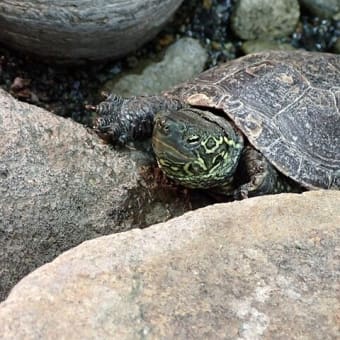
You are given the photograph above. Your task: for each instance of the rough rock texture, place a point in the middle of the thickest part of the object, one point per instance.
(337, 46)
(60, 185)
(262, 268)
(182, 61)
(265, 19)
(322, 8)
(82, 29)
(255, 46)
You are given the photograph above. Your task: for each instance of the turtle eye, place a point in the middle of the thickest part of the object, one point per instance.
(192, 139)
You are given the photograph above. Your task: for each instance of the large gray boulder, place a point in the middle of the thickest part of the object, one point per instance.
(82, 29)
(60, 185)
(262, 268)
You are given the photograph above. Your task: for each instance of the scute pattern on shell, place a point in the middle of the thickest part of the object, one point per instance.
(286, 103)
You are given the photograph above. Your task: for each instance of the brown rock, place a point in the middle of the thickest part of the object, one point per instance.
(262, 268)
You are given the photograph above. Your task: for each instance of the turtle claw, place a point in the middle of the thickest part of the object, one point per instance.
(241, 193)
(90, 107)
(105, 94)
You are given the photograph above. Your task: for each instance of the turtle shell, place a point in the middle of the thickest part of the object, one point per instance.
(287, 105)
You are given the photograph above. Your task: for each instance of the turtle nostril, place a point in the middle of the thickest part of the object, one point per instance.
(166, 128)
(163, 125)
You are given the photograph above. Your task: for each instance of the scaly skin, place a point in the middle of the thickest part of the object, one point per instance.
(127, 119)
(196, 148)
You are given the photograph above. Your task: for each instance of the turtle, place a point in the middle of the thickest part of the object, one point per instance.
(264, 123)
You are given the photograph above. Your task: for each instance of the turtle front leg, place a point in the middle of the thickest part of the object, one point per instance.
(261, 177)
(126, 119)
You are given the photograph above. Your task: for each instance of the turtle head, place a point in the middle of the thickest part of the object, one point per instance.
(196, 148)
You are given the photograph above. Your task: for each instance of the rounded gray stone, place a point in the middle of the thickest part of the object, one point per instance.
(264, 19)
(182, 61)
(82, 29)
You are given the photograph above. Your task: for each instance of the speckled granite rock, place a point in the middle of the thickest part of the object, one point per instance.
(262, 268)
(265, 19)
(60, 185)
(182, 61)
